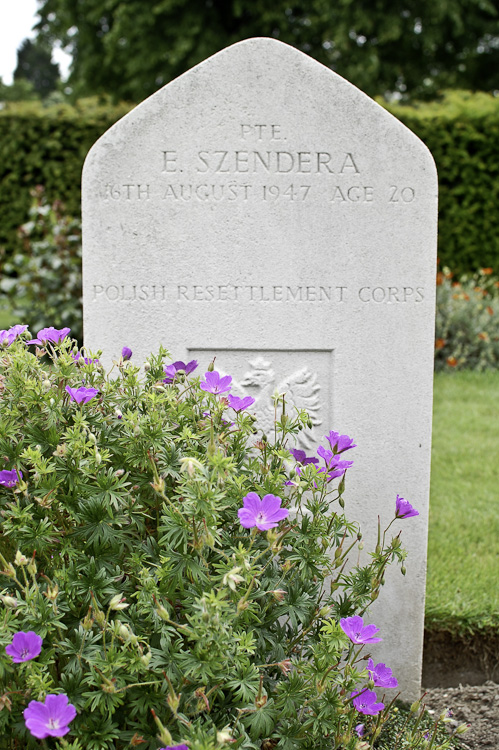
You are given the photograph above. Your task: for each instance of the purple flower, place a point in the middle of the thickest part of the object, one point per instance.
(49, 719)
(354, 628)
(264, 514)
(239, 404)
(24, 646)
(403, 508)
(86, 360)
(334, 466)
(359, 730)
(7, 337)
(54, 335)
(172, 370)
(10, 478)
(300, 456)
(339, 443)
(213, 383)
(82, 395)
(126, 353)
(365, 702)
(381, 675)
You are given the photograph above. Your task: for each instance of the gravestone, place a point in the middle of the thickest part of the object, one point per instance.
(263, 210)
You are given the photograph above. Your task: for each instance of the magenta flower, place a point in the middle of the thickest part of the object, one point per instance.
(359, 634)
(240, 404)
(82, 395)
(172, 370)
(381, 675)
(10, 478)
(126, 353)
(79, 358)
(359, 730)
(339, 443)
(403, 508)
(54, 335)
(49, 719)
(24, 646)
(365, 703)
(213, 383)
(301, 457)
(334, 466)
(7, 337)
(264, 514)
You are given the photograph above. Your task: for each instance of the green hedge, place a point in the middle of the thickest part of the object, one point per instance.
(462, 132)
(45, 146)
(48, 146)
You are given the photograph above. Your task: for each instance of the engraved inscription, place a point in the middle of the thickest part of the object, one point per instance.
(264, 293)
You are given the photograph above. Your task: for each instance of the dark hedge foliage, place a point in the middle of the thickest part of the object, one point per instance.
(48, 146)
(45, 146)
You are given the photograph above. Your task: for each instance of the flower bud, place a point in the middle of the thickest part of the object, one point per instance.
(278, 594)
(173, 701)
(52, 592)
(46, 385)
(92, 438)
(9, 571)
(119, 472)
(146, 658)
(211, 366)
(164, 734)
(341, 502)
(20, 559)
(8, 601)
(124, 632)
(88, 620)
(415, 706)
(52, 402)
(117, 603)
(403, 570)
(162, 612)
(147, 366)
(462, 728)
(224, 735)
(361, 546)
(118, 413)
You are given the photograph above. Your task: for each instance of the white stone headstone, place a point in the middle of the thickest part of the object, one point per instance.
(263, 210)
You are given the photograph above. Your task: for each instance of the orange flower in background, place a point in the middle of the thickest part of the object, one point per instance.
(456, 284)
(496, 283)
(440, 278)
(439, 344)
(484, 336)
(486, 271)
(456, 296)
(449, 275)
(466, 297)
(451, 361)
(489, 310)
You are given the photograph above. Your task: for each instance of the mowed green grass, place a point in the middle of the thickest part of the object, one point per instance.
(463, 555)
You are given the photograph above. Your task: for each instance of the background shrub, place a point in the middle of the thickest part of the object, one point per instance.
(467, 321)
(43, 278)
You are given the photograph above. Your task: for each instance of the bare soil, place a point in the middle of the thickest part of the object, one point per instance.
(462, 674)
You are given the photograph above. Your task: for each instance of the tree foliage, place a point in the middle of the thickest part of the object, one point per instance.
(409, 46)
(34, 64)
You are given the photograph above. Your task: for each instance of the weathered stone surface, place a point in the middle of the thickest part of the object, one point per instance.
(262, 209)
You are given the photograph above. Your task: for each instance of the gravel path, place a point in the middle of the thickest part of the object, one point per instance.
(477, 705)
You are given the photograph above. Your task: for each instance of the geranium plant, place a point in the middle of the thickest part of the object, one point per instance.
(163, 566)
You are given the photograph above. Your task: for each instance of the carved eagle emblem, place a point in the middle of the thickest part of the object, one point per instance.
(302, 392)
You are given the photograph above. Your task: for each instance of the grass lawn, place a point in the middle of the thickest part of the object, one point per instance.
(463, 554)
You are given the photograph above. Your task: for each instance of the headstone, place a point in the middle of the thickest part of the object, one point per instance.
(263, 210)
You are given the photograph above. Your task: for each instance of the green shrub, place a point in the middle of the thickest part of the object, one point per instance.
(45, 146)
(462, 132)
(163, 619)
(43, 279)
(467, 321)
